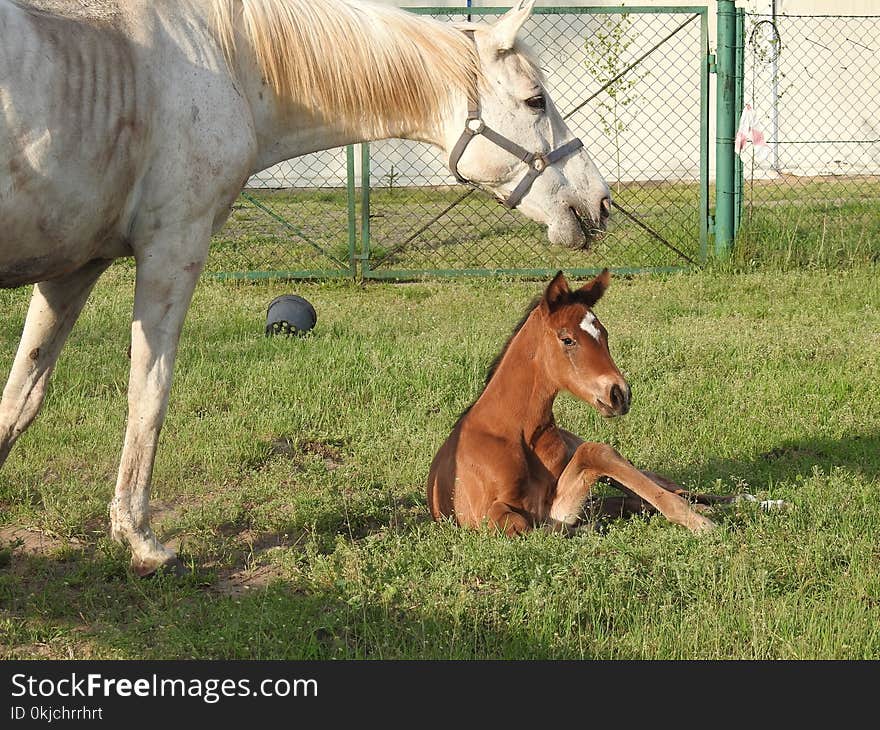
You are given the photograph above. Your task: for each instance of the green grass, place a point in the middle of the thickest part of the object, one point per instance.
(297, 467)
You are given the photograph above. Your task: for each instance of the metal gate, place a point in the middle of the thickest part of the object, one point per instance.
(631, 82)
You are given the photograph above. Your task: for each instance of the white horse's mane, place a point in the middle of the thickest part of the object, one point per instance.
(363, 62)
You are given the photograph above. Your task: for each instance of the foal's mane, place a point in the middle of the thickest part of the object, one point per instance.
(493, 367)
(363, 63)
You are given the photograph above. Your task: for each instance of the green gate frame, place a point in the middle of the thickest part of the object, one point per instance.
(343, 271)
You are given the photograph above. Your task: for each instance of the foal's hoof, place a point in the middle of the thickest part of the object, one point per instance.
(774, 505)
(174, 566)
(700, 524)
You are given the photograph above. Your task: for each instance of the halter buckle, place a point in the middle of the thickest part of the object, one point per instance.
(475, 125)
(539, 164)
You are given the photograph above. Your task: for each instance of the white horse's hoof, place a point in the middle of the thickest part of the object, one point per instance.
(173, 566)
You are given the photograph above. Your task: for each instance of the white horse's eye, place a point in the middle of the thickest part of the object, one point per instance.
(537, 102)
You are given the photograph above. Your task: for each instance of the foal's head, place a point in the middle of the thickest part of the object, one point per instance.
(574, 349)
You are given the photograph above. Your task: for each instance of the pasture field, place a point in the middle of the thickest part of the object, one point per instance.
(291, 475)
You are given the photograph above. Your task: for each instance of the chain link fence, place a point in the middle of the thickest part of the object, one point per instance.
(632, 83)
(293, 220)
(814, 83)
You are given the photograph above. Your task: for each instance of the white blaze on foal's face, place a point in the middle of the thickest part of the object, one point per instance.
(588, 325)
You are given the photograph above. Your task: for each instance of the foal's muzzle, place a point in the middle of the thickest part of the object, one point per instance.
(616, 400)
(620, 398)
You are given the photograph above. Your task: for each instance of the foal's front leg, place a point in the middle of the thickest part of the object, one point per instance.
(166, 276)
(593, 460)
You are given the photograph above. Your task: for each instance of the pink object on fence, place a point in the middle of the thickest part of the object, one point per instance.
(748, 132)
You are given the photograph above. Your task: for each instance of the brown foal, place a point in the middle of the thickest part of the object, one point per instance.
(508, 463)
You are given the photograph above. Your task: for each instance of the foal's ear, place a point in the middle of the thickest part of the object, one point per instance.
(507, 26)
(592, 291)
(556, 292)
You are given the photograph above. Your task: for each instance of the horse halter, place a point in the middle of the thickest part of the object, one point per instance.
(536, 161)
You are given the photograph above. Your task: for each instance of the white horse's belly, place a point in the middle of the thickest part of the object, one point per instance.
(71, 150)
(60, 206)
(35, 247)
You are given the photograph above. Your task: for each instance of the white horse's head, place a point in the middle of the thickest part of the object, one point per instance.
(350, 71)
(561, 188)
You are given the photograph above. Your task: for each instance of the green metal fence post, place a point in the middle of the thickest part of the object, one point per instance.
(352, 209)
(365, 208)
(725, 128)
(704, 137)
(740, 91)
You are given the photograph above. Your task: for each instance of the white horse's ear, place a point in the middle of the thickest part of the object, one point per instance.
(507, 26)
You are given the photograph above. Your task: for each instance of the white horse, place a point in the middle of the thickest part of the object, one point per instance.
(128, 128)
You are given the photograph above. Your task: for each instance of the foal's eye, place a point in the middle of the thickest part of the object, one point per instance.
(538, 102)
(567, 341)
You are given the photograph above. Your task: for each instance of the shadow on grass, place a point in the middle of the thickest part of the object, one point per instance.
(790, 459)
(87, 605)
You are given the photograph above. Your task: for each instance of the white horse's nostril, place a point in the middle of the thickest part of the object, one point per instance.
(606, 207)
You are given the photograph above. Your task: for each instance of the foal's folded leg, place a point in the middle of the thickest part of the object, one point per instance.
(572, 493)
(508, 521)
(594, 460)
(574, 509)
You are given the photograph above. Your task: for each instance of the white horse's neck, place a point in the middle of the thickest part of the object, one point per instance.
(283, 132)
(326, 73)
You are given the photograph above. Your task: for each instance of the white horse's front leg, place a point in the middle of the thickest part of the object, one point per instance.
(54, 308)
(167, 272)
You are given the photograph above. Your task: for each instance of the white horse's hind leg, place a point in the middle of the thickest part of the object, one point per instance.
(54, 308)
(166, 277)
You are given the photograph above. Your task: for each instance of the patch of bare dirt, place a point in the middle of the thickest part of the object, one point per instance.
(39, 650)
(329, 451)
(242, 581)
(789, 452)
(76, 645)
(236, 581)
(162, 511)
(26, 541)
(260, 542)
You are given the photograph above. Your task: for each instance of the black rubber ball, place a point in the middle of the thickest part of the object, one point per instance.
(290, 314)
